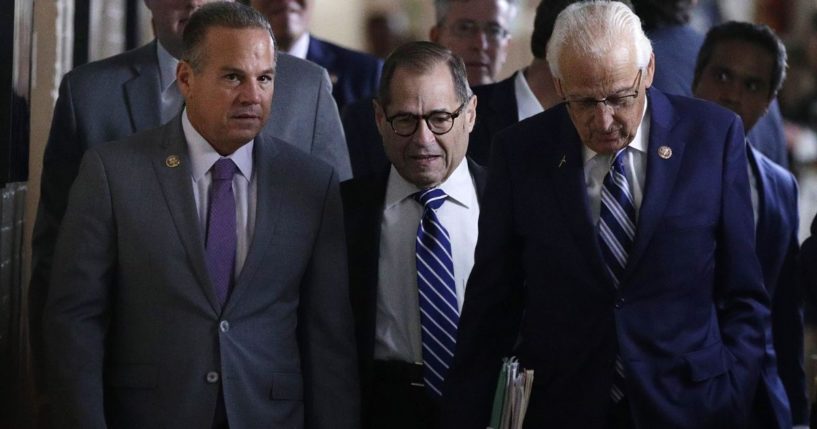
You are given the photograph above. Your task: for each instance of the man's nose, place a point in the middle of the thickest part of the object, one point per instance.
(423, 135)
(250, 92)
(603, 116)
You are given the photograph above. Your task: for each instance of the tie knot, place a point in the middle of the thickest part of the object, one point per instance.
(431, 198)
(618, 161)
(223, 169)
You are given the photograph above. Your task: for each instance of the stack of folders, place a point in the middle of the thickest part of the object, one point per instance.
(513, 389)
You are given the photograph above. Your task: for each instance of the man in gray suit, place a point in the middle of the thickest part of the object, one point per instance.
(199, 277)
(111, 99)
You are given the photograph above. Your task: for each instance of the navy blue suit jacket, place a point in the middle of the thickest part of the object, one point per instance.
(688, 318)
(777, 251)
(496, 110)
(354, 75)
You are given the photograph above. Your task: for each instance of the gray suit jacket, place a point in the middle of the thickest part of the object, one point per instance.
(132, 307)
(114, 98)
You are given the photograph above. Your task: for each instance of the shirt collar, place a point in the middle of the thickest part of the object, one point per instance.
(300, 47)
(203, 156)
(167, 66)
(526, 101)
(456, 187)
(640, 141)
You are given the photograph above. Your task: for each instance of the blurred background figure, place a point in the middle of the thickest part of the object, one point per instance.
(477, 31)
(354, 74)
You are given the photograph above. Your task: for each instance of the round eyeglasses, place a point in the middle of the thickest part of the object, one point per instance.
(439, 122)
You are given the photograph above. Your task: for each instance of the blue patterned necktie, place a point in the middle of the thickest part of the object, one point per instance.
(439, 314)
(616, 231)
(221, 231)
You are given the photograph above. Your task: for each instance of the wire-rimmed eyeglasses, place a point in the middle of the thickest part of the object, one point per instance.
(439, 122)
(615, 102)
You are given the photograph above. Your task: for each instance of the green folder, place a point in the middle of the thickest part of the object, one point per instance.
(499, 396)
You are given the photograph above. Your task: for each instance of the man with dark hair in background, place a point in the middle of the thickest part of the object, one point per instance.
(742, 66)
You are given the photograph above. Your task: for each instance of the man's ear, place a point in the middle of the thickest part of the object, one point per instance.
(379, 114)
(471, 112)
(434, 34)
(184, 71)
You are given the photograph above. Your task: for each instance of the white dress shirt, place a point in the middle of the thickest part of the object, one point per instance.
(596, 166)
(245, 192)
(300, 47)
(397, 332)
(171, 97)
(527, 104)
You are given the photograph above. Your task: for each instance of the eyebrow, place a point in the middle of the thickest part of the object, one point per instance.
(228, 69)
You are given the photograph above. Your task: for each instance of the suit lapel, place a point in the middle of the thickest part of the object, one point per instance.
(271, 176)
(567, 169)
(765, 203)
(175, 178)
(143, 92)
(661, 174)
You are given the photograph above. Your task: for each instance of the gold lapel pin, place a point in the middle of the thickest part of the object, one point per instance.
(563, 161)
(665, 152)
(173, 161)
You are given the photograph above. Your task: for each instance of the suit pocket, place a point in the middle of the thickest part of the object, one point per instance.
(708, 362)
(287, 386)
(132, 376)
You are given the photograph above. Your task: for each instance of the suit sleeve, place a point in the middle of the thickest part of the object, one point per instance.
(326, 334)
(76, 312)
(329, 142)
(63, 153)
(489, 322)
(742, 299)
(787, 318)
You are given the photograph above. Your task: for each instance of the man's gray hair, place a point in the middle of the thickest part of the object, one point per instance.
(441, 8)
(218, 14)
(594, 28)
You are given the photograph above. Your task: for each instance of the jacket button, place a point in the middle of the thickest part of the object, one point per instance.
(224, 326)
(212, 377)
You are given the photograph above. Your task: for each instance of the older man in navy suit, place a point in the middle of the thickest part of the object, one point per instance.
(616, 252)
(741, 66)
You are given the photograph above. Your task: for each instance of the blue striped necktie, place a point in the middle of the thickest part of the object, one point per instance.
(616, 231)
(439, 314)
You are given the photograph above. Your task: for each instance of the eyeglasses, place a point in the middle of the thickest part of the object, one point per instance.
(615, 102)
(468, 29)
(405, 124)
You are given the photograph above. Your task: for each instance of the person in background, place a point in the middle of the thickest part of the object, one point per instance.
(354, 74)
(742, 66)
(616, 252)
(676, 45)
(411, 232)
(199, 277)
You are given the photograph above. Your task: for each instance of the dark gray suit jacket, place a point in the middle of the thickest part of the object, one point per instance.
(135, 337)
(114, 98)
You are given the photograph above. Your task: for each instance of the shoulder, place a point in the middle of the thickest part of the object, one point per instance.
(296, 162)
(98, 74)
(345, 55)
(691, 111)
(782, 179)
(295, 70)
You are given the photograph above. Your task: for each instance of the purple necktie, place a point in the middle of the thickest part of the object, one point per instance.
(221, 233)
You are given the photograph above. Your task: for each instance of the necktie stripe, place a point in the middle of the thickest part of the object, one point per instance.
(439, 314)
(435, 312)
(442, 259)
(622, 217)
(441, 274)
